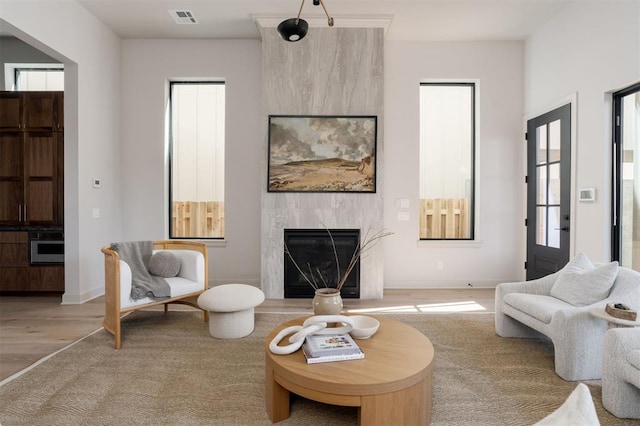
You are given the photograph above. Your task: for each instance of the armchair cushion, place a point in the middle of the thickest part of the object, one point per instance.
(164, 264)
(190, 277)
(582, 286)
(539, 306)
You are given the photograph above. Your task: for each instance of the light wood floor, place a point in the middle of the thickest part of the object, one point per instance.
(34, 327)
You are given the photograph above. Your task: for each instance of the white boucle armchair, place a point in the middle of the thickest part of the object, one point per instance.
(577, 335)
(191, 281)
(621, 372)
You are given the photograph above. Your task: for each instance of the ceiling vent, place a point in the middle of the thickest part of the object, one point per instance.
(183, 16)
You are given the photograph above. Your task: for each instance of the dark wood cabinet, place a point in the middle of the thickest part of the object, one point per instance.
(31, 159)
(11, 177)
(46, 278)
(40, 111)
(11, 110)
(17, 275)
(14, 251)
(31, 186)
(14, 261)
(32, 111)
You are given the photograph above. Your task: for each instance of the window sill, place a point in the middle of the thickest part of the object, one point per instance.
(208, 243)
(215, 243)
(450, 244)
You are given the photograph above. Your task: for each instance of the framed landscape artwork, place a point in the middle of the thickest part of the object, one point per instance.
(322, 153)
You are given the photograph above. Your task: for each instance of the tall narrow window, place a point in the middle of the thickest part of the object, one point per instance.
(197, 142)
(447, 146)
(626, 179)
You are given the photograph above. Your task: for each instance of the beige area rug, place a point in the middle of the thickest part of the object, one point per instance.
(171, 372)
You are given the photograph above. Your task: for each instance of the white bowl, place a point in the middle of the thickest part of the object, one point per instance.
(364, 326)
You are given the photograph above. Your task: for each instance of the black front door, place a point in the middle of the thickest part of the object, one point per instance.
(548, 192)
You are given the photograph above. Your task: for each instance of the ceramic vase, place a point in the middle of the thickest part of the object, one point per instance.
(327, 301)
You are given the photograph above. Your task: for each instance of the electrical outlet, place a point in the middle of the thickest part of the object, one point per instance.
(440, 265)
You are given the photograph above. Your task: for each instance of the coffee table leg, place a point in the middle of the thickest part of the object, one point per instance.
(276, 397)
(410, 406)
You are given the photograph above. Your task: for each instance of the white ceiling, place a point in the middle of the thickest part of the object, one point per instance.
(420, 20)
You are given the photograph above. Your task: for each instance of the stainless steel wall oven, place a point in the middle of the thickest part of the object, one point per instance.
(46, 247)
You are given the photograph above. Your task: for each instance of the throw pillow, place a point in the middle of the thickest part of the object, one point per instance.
(164, 264)
(578, 263)
(582, 287)
(577, 410)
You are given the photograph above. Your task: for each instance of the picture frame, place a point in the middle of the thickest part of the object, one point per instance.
(322, 153)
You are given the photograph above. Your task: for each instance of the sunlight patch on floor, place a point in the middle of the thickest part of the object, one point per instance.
(457, 307)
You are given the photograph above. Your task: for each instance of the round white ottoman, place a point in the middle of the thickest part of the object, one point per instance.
(230, 309)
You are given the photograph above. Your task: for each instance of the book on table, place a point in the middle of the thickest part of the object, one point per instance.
(331, 347)
(329, 358)
(331, 344)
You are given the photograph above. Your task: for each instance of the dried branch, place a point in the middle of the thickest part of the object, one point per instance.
(335, 255)
(286, 250)
(369, 243)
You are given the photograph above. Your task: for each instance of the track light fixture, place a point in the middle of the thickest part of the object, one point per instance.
(295, 29)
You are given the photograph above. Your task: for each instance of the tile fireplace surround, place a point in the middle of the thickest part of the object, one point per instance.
(357, 76)
(371, 270)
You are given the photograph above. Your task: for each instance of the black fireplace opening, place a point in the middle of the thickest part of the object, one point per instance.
(313, 251)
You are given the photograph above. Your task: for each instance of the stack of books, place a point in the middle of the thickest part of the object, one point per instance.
(331, 347)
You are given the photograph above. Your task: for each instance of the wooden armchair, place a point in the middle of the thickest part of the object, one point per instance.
(190, 282)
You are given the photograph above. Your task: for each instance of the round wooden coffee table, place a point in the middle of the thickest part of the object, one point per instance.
(391, 385)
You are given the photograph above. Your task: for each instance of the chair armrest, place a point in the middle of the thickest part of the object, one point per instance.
(191, 265)
(540, 286)
(506, 326)
(626, 289)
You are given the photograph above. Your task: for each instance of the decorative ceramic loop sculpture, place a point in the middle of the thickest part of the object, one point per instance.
(306, 330)
(344, 329)
(288, 349)
(313, 325)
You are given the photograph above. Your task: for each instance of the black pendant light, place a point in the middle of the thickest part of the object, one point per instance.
(294, 29)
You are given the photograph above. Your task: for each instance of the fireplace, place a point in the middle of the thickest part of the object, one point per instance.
(312, 249)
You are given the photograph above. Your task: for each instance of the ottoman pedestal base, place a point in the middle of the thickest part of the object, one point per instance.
(231, 325)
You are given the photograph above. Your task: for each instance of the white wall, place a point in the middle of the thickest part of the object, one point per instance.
(147, 66)
(90, 52)
(588, 49)
(498, 255)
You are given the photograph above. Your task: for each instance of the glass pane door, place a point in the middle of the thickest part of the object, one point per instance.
(548, 183)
